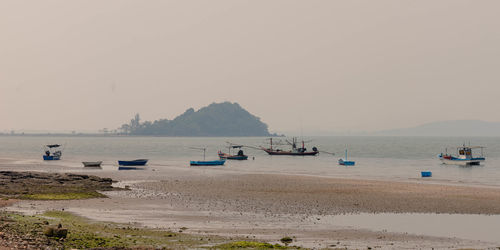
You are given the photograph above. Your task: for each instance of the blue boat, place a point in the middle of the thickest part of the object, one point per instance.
(207, 163)
(52, 152)
(346, 162)
(138, 162)
(464, 157)
(426, 173)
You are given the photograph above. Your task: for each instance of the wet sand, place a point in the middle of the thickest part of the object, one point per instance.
(270, 206)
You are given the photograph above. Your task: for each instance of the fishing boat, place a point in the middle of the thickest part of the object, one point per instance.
(345, 162)
(206, 163)
(52, 152)
(92, 164)
(134, 164)
(296, 151)
(464, 157)
(239, 156)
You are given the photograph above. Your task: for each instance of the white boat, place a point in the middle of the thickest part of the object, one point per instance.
(464, 157)
(52, 152)
(92, 164)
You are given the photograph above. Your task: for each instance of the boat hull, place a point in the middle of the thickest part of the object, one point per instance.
(425, 174)
(138, 162)
(346, 163)
(273, 152)
(207, 163)
(463, 162)
(51, 158)
(233, 157)
(92, 164)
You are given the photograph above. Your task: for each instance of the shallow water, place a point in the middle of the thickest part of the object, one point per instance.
(464, 226)
(385, 158)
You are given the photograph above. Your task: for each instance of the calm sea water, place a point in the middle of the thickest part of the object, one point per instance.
(387, 158)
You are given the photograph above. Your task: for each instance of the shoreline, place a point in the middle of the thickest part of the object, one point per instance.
(270, 206)
(110, 170)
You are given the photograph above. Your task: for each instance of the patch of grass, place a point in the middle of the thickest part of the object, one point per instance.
(63, 196)
(83, 233)
(249, 245)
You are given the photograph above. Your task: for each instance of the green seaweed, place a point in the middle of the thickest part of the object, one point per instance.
(83, 233)
(63, 196)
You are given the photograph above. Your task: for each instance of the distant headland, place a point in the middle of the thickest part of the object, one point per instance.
(216, 119)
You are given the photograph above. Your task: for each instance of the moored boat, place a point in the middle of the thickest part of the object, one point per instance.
(465, 156)
(204, 162)
(207, 163)
(138, 162)
(345, 162)
(296, 151)
(131, 165)
(52, 152)
(92, 164)
(239, 156)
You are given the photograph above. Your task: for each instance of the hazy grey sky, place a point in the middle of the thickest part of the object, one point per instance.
(320, 65)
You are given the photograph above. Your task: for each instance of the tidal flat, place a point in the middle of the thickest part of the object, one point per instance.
(233, 209)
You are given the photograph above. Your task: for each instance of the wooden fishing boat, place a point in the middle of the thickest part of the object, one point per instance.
(204, 162)
(92, 164)
(345, 162)
(132, 165)
(52, 152)
(239, 156)
(207, 163)
(464, 157)
(138, 162)
(296, 151)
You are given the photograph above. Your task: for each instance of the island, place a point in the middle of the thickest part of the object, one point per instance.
(216, 119)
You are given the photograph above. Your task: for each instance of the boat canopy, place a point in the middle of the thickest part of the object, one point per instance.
(53, 145)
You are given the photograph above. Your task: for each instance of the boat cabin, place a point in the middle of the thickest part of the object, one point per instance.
(52, 152)
(466, 152)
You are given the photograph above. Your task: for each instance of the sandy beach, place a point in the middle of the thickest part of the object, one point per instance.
(270, 206)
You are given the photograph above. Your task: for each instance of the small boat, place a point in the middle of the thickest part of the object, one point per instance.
(240, 156)
(138, 162)
(464, 157)
(206, 163)
(52, 152)
(134, 164)
(426, 174)
(92, 164)
(296, 151)
(345, 162)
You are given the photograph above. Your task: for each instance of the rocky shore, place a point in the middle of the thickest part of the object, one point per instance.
(17, 233)
(51, 186)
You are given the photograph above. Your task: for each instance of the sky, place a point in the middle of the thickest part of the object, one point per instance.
(315, 66)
